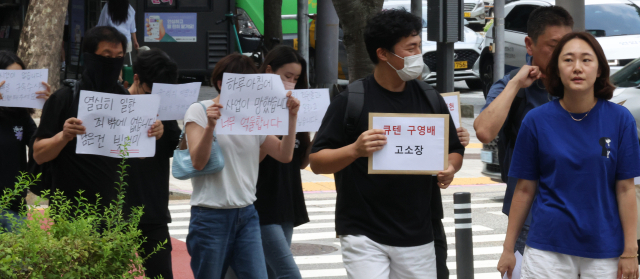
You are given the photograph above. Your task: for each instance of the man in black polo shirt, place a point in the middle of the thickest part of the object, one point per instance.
(384, 221)
(56, 136)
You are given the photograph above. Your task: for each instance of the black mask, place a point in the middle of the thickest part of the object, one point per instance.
(102, 72)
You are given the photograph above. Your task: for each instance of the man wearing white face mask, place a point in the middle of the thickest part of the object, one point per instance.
(384, 221)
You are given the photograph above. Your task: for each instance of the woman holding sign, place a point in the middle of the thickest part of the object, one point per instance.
(280, 202)
(578, 156)
(16, 129)
(224, 229)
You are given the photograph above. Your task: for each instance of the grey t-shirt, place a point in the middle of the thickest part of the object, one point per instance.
(235, 185)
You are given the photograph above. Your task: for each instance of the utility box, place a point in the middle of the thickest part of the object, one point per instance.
(445, 21)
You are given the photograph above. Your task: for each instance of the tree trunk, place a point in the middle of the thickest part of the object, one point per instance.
(272, 22)
(353, 16)
(41, 38)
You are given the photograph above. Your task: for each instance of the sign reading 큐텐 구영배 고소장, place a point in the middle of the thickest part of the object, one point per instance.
(110, 118)
(416, 143)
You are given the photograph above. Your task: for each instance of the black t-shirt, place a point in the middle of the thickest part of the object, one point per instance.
(70, 171)
(392, 210)
(149, 179)
(279, 189)
(16, 129)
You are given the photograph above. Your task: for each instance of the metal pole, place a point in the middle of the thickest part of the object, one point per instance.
(416, 9)
(576, 9)
(445, 67)
(464, 237)
(303, 31)
(327, 33)
(498, 43)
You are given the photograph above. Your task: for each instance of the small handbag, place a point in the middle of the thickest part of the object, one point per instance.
(182, 167)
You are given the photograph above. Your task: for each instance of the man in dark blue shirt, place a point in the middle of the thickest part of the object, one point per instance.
(545, 27)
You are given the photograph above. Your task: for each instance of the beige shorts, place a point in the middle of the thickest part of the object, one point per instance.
(539, 264)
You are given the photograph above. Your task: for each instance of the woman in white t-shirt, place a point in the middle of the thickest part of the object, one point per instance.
(120, 15)
(224, 229)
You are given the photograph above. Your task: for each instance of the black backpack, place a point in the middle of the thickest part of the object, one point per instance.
(509, 131)
(355, 103)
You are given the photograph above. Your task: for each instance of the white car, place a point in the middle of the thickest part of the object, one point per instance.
(466, 53)
(474, 11)
(615, 23)
(627, 92)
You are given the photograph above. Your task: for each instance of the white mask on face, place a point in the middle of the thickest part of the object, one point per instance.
(289, 85)
(412, 67)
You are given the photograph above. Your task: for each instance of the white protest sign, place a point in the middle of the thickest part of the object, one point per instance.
(453, 104)
(110, 118)
(254, 104)
(313, 106)
(416, 143)
(175, 99)
(517, 269)
(21, 86)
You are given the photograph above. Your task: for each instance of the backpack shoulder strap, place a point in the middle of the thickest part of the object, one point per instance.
(432, 96)
(355, 103)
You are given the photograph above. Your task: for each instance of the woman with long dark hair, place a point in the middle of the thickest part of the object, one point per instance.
(16, 129)
(578, 155)
(120, 15)
(280, 202)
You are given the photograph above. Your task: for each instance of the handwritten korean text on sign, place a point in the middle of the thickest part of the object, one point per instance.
(110, 118)
(175, 99)
(453, 105)
(313, 106)
(21, 86)
(416, 143)
(254, 104)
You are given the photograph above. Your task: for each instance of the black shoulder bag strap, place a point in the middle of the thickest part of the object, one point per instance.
(432, 96)
(355, 103)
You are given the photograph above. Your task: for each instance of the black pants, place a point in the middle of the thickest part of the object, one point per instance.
(160, 262)
(440, 243)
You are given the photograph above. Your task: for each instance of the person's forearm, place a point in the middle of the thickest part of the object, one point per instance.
(489, 122)
(202, 151)
(288, 143)
(520, 206)
(626, 195)
(332, 160)
(455, 159)
(45, 150)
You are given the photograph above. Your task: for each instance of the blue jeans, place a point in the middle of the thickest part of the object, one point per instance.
(219, 238)
(276, 241)
(6, 223)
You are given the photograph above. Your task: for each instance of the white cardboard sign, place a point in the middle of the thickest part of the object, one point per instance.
(21, 86)
(313, 106)
(254, 104)
(517, 269)
(175, 99)
(453, 104)
(416, 143)
(110, 118)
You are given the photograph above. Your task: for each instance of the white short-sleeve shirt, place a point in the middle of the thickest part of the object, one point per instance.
(235, 185)
(126, 28)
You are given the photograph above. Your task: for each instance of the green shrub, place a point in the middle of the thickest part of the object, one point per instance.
(65, 241)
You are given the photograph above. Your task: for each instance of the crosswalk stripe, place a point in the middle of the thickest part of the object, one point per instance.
(489, 275)
(447, 220)
(318, 259)
(180, 207)
(486, 205)
(321, 209)
(179, 224)
(313, 236)
(480, 251)
(472, 200)
(315, 273)
(475, 228)
(181, 215)
(319, 202)
(496, 213)
(481, 238)
(322, 217)
(179, 232)
(476, 264)
(315, 226)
